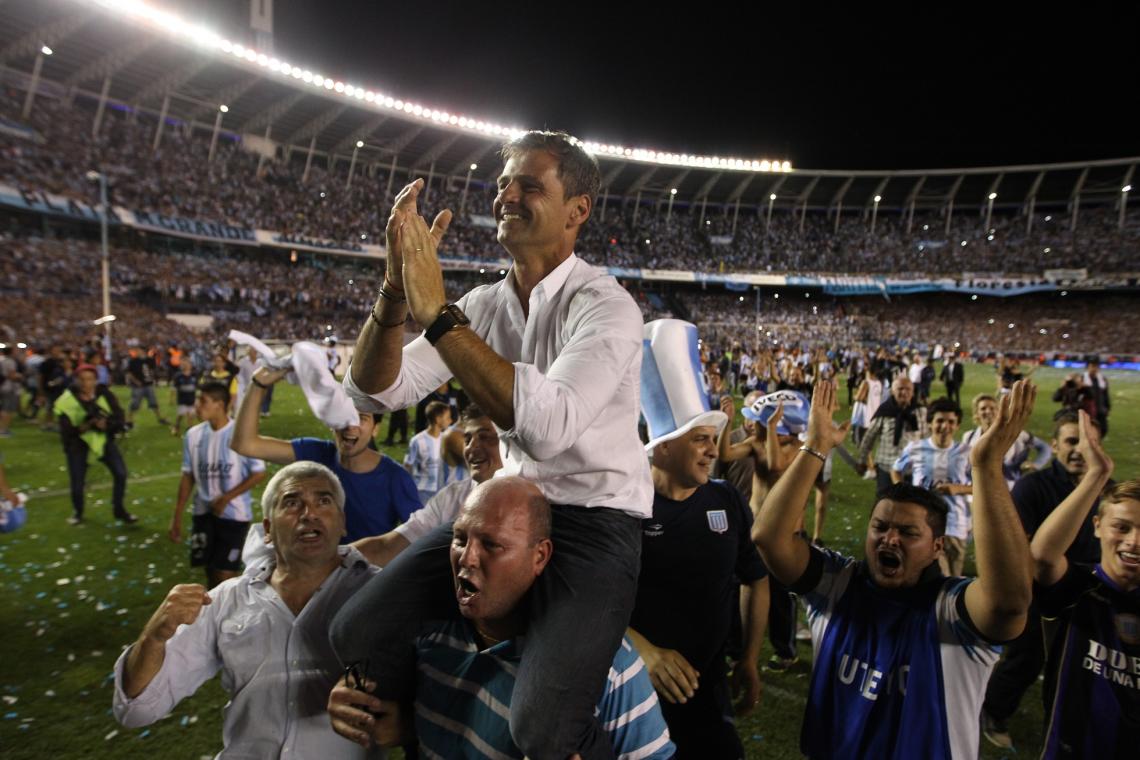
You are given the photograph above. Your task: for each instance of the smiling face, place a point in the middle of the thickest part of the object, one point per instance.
(943, 427)
(1118, 528)
(531, 208)
(900, 544)
(481, 448)
(688, 459)
(306, 523)
(1066, 452)
(497, 550)
(353, 440)
(985, 412)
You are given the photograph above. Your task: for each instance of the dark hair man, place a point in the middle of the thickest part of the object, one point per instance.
(529, 350)
(89, 418)
(379, 493)
(264, 630)
(902, 652)
(221, 481)
(941, 465)
(480, 454)
(466, 662)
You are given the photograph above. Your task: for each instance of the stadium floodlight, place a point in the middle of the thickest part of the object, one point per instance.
(360, 143)
(224, 108)
(1126, 188)
(21, 344)
(772, 197)
(474, 167)
(103, 320)
(672, 191)
(46, 50)
(878, 198)
(208, 40)
(992, 196)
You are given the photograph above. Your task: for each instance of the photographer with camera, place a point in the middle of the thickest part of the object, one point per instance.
(89, 418)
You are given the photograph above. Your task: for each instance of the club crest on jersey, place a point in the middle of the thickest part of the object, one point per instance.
(718, 520)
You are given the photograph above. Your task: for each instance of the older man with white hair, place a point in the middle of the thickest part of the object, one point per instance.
(265, 630)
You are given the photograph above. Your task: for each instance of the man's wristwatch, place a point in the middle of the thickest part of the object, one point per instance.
(450, 317)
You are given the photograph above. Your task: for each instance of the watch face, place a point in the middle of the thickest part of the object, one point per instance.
(457, 313)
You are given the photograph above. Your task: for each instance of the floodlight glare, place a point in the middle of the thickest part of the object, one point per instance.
(224, 108)
(474, 167)
(772, 197)
(878, 198)
(992, 196)
(1126, 188)
(360, 143)
(103, 320)
(672, 191)
(46, 50)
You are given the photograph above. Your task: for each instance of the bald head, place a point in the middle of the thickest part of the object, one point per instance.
(513, 494)
(903, 390)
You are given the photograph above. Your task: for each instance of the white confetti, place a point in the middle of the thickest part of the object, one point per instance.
(49, 693)
(111, 735)
(11, 700)
(63, 581)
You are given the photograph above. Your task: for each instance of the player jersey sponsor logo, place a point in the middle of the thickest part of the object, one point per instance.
(718, 520)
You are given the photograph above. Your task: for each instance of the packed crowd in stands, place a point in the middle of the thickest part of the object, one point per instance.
(240, 188)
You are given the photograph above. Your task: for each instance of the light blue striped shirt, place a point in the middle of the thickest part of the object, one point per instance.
(929, 465)
(216, 468)
(463, 698)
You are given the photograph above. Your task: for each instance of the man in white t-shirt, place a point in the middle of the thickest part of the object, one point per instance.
(480, 453)
(425, 457)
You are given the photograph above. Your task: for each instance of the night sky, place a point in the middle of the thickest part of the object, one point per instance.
(848, 89)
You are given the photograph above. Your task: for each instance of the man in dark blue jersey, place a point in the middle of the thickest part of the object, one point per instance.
(902, 653)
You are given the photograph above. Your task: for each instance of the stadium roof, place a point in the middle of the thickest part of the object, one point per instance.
(134, 56)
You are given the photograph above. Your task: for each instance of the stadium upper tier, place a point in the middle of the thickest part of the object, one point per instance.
(190, 177)
(170, 71)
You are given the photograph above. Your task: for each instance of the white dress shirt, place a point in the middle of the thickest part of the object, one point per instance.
(277, 668)
(442, 508)
(577, 358)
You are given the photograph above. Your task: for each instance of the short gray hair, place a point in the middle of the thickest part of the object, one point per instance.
(299, 471)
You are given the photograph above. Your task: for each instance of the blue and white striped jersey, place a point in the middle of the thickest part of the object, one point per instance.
(928, 465)
(1027, 448)
(463, 699)
(216, 468)
(897, 674)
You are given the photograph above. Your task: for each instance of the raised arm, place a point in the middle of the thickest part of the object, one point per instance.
(181, 607)
(247, 439)
(726, 450)
(1060, 529)
(377, 358)
(774, 531)
(999, 597)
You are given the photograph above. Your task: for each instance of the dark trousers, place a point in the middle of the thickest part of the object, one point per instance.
(781, 619)
(77, 473)
(1017, 670)
(579, 610)
(703, 728)
(397, 422)
(882, 480)
(953, 392)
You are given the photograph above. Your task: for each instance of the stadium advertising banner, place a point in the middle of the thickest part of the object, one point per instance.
(317, 245)
(55, 205)
(193, 228)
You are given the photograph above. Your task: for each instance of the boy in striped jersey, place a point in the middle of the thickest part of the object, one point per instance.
(221, 481)
(466, 661)
(939, 464)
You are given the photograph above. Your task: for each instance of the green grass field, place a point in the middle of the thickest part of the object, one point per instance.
(77, 595)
